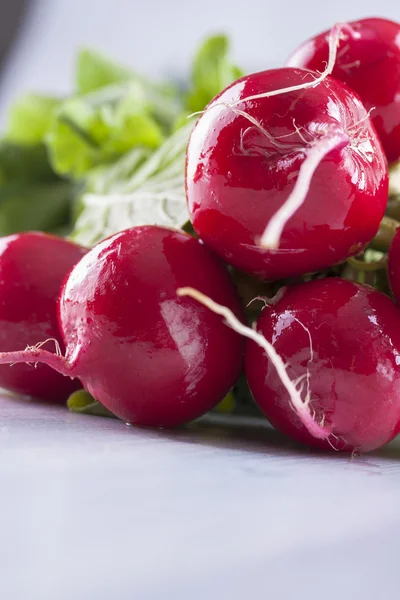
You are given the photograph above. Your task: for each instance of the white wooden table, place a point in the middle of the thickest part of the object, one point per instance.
(93, 509)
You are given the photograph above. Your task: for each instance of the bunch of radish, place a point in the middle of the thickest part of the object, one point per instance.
(286, 181)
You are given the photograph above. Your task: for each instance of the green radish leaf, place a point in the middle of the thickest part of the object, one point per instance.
(188, 228)
(152, 192)
(99, 127)
(212, 72)
(24, 163)
(29, 119)
(94, 71)
(31, 195)
(41, 206)
(82, 402)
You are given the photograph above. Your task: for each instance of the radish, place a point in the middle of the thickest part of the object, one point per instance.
(368, 61)
(322, 363)
(32, 269)
(150, 357)
(342, 340)
(307, 163)
(394, 266)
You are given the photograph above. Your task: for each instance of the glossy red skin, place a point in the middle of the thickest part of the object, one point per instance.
(149, 356)
(394, 266)
(354, 375)
(32, 268)
(232, 196)
(370, 66)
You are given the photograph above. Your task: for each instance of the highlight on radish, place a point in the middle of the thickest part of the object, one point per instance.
(285, 174)
(33, 266)
(368, 61)
(148, 356)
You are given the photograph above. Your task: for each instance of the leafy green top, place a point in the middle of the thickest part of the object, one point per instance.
(119, 141)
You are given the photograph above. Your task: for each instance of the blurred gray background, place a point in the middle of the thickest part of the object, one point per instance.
(157, 36)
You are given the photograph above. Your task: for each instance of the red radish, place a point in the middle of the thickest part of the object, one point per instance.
(342, 341)
(394, 266)
(148, 356)
(306, 162)
(299, 405)
(368, 61)
(32, 269)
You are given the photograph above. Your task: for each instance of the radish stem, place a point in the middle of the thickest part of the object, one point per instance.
(386, 232)
(300, 406)
(367, 267)
(393, 207)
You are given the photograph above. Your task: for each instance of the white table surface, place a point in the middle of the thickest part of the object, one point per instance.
(93, 509)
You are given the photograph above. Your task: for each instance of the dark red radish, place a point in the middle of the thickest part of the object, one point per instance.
(394, 265)
(306, 163)
(33, 266)
(341, 341)
(150, 357)
(368, 61)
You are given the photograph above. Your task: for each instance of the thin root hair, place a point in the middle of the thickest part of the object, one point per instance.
(365, 118)
(40, 344)
(260, 299)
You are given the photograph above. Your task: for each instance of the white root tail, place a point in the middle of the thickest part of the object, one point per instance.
(300, 406)
(315, 154)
